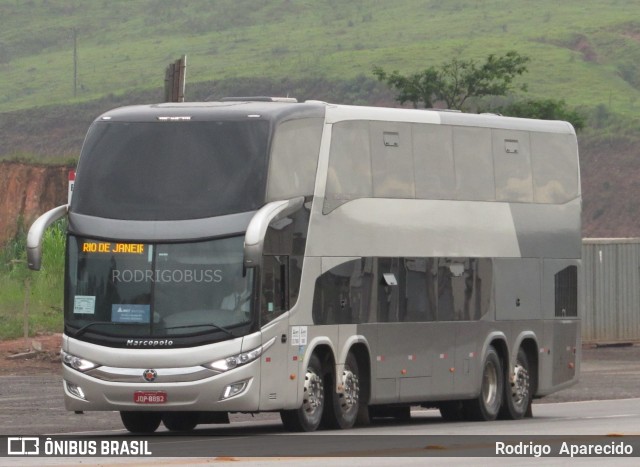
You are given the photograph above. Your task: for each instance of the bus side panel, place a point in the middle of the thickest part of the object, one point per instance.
(558, 358)
(275, 385)
(413, 362)
(517, 288)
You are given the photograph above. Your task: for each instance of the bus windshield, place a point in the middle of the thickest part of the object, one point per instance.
(172, 171)
(157, 290)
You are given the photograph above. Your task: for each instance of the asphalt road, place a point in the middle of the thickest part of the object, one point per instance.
(33, 405)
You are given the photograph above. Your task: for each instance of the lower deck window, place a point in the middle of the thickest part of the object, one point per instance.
(566, 291)
(387, 290)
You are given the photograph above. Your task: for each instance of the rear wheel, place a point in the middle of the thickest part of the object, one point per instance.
(347, 405)
(141, 422)
(517, 390)
(180, 421)
(309, 415)
(487, 405)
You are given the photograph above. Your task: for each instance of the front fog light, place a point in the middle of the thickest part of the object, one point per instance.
(75, 390)
(234, 389)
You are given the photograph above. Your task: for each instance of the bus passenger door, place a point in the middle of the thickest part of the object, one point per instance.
(275, 386)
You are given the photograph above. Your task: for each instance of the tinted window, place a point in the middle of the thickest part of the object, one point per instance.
(343, 294)
(512, 165)
(433, 161)
(464, 286)
(294, 159)
(392, 160)
(405, 290)
(389, 310)
(287, 238)
(349, 174)
(555, 167)
(274, 288)
(172, 170)
(566, 285)
(472, 154)
(420, 289)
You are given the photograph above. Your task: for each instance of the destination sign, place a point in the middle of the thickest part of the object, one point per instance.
(104, 247)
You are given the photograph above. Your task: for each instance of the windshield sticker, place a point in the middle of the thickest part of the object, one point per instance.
(84, 304)
(130, 313)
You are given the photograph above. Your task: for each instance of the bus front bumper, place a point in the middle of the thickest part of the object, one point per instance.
(235, 390)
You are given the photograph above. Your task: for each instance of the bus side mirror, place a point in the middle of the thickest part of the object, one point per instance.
(257, 229)
(36, 232)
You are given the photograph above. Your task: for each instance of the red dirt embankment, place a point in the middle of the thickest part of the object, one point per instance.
(28, 190)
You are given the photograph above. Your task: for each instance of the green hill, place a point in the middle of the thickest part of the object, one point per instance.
(584, 51)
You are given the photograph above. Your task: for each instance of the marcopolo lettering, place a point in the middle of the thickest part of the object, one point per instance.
(149, 343)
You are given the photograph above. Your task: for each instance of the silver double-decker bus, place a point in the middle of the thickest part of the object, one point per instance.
(331, 263)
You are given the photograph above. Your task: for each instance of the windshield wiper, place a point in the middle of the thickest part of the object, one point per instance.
(211, 325)
(84, 328)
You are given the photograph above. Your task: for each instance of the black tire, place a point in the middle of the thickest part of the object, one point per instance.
(452, 411)
(487, 405)
(309, 415)
(141, 422)
(180, 421)
(346, 406)
(517, 389)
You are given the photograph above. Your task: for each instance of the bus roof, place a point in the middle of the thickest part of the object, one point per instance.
(203, 111)
(279, 111)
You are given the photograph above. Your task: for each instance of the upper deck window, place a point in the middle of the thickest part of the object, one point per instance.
(172, 170)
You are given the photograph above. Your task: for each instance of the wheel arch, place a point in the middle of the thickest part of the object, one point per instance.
(498, 341)
(324, 349)
(529, 343)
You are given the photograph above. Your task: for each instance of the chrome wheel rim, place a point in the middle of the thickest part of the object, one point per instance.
(351, 390)
(520, 385)
(313, 401)
(490, 385)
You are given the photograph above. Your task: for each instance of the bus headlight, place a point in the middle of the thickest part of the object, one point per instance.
(77, 363)
(234, 361)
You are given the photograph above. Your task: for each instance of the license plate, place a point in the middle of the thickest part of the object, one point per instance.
(149, 397)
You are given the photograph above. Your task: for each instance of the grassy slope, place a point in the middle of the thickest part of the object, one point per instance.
(579, 48)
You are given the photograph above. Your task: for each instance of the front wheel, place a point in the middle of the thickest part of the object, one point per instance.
(141, 422)
(517, 390)
(309, 415)
(487, 406)
(180, 421)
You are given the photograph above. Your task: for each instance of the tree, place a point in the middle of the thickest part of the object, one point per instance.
(416, 88)
(545, 109)
(456, 81)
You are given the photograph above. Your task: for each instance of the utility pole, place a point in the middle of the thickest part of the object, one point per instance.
(75, 61)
